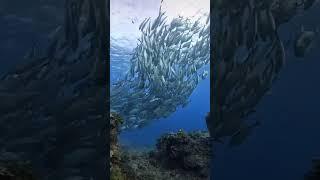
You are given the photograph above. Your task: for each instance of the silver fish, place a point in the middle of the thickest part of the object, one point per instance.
(163, 71)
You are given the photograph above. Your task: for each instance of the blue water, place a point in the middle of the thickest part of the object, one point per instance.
(124, 34)
(190, 118)
(283, 146)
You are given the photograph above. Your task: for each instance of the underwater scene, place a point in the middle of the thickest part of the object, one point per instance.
(284, 144)
(52, 89)
(264, 104)
(230, 94)
(159, 64)
(159, 89)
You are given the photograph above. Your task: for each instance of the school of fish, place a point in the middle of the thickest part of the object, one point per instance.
(166, 66)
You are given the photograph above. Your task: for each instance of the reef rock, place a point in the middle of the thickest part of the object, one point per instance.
(176, 156)
(115, 156)
(189, 152)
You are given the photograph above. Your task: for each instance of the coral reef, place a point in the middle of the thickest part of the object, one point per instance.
(116, 173)
(176, 156)
(188, 152)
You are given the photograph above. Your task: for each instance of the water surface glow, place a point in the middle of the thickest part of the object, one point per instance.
(126, 17)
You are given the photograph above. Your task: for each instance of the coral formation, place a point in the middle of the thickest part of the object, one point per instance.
(116, 172)
(189, 152)
(176, 156)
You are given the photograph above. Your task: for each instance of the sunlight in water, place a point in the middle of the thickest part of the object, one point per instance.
(127, 15)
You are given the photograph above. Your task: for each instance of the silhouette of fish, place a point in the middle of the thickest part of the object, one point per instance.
(244, 132)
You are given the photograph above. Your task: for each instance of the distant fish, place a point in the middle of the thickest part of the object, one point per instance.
(142, 25)
(166, 64)
(155, 99)
(135, 126)
(303, 42)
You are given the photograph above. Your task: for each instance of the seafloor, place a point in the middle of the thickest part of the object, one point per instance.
(176, 156)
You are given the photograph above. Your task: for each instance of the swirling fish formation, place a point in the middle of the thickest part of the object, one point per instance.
(169, 61)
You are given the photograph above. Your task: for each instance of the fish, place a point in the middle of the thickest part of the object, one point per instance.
(195, 25)
(204, 75)
(244, 132)
(163, 71)
(135, 110)
(142, 25)
(303, 42)
(154, 99)
(208, 19)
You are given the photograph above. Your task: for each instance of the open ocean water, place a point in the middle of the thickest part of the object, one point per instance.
(125, 20)
(282, 147)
